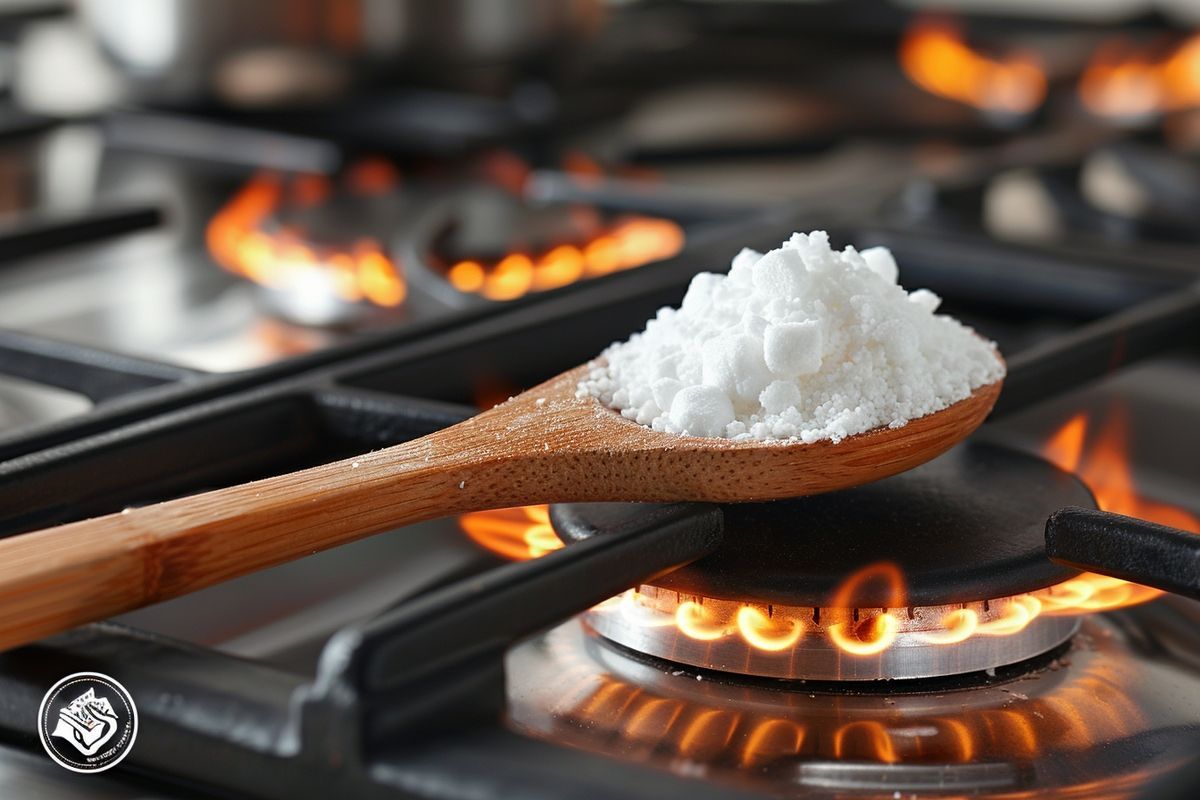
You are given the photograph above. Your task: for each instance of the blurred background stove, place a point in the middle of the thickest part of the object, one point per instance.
(237, 239)
(372, 166)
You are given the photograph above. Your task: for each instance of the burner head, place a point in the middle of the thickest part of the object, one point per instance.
(937, 571)
(967, 526)
(488, 224)
(482, 241)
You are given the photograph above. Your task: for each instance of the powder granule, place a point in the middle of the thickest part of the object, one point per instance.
(803, 343)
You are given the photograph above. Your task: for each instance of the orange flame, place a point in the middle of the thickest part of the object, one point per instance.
(1020, 612)
(957, 626)
(935, 57)
(1106, 469)
(868, 632)
(492, 390)
(765, 633)
(1065, 447)
(518, 534)
(871, 636)
(238, 239)
(582, 167)
(505, 169)
(693, 620)
(1122, 80)
(371, 176)
(875, 634)
(627, 243)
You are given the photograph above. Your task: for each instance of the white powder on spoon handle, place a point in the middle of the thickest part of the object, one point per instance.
(803, 343)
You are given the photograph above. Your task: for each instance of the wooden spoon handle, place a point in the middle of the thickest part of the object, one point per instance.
(58, 578)
(544, 446)
(528, 450)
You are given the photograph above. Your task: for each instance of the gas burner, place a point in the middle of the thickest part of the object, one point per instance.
(935, 56)
(288, 234)
(955, 579)
(1132, 82)
(486, 241)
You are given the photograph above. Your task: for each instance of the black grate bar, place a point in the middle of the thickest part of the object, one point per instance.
(220, 142)
(1099, 348)
(96, 374)
(192, 450)
(365, 418)
(552, 186)
(32, 235)
(436, 660)
(1127, 548)
(198, 708)
(236, 710)
(521, 599)
(1024, 277)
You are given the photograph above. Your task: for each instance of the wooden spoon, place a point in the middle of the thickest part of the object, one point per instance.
(543, 446)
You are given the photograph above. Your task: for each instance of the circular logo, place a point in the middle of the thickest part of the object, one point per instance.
(87, 722)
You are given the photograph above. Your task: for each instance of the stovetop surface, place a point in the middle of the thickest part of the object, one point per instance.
(1030, 228)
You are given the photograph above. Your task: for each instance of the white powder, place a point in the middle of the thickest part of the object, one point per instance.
(803, 343)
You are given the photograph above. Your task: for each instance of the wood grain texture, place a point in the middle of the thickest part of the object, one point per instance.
(544, 446)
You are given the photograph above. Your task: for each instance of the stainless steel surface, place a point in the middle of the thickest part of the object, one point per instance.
(285, 614)
(25, 403)
(922, 647)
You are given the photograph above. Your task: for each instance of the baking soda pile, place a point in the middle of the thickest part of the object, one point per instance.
(803, 343)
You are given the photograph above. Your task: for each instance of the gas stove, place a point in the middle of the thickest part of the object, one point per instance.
(195, 295)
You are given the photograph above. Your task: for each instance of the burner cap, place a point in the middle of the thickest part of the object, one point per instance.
(967, 526)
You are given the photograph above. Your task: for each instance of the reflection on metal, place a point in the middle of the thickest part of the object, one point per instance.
(1077, 728)
(915, 777)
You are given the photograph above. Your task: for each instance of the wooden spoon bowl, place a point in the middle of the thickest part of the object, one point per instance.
(543, 446)
(591, 453)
